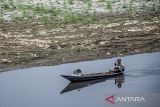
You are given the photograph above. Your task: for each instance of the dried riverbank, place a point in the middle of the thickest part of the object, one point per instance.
(26, 44)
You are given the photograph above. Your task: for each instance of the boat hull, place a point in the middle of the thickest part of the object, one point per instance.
(87, 77)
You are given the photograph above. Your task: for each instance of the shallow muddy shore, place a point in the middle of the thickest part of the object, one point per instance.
(27, 44)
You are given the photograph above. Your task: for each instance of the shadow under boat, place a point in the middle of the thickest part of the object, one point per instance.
(119, 80)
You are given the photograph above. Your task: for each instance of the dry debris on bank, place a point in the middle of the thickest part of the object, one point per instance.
(32, 43)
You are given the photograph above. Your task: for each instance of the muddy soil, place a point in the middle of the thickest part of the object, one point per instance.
(25, 44)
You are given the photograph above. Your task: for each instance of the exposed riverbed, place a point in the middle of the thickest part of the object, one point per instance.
(51, 32)
(27, 44)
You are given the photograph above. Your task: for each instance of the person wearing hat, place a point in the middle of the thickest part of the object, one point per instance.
(119, 66)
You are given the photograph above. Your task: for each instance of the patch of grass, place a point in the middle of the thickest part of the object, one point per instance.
(45, 20)
(5, 6)
(93, 17)
(17, 19)
(44, 10)
(50, 15)
(143, 7)
(70, 2)
(70, 17)
(22, 7)
(101, 0)
(114, 1)
(1, 19)
(109, 5)
(88, 3)
(129, 8)
(40, 9)
(155, 7)
(26, 14)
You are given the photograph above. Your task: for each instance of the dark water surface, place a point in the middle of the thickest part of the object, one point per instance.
(43, 87)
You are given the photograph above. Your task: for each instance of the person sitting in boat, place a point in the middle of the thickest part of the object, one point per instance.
(119, 66)
(77, 72)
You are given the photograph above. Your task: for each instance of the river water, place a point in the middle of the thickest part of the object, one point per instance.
(44, 87)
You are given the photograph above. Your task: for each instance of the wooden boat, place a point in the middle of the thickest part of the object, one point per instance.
(93, 76)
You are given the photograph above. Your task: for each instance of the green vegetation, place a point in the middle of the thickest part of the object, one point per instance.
(114, 1)
(88, 3)
(129, 8)
(70, 1)
(40, 9)
(46, 20)
(41, 12)
(70, 17)
(109, 5)
(155, 7)
(52, 15)
(5, 6)
(143, 7)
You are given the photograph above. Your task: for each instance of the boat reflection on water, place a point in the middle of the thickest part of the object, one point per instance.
(119, 80)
